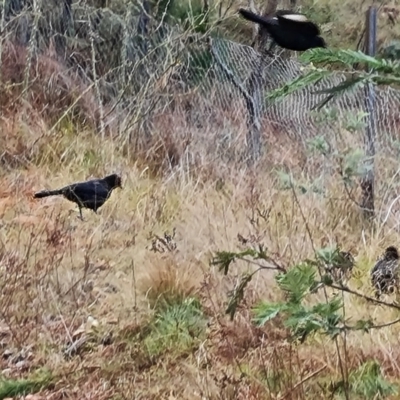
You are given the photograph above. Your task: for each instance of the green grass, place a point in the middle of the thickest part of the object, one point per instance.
(176, 327)
(17, 387)
(368, 382)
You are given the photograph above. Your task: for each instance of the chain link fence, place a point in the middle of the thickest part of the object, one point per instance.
(132, 75)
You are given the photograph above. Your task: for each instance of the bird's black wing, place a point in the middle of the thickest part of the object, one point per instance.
(297, 22)
(291, 22)
(378, 265)
(257, 18)
(91, 194)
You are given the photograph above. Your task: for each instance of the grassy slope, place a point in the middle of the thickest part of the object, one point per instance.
(57, 271)
(63, 279)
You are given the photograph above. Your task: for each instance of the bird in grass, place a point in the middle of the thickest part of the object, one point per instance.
(89, 194)
(290, 30)
(385, 273)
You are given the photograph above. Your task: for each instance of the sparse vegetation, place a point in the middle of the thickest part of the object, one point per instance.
(177, 328)
(202, 278)
(17, 387)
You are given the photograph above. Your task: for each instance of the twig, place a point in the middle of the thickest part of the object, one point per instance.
(368, 298)
(275, 267)
(341, 366)
(354, 328)
(75, 346)
(32, 46)
(307, 378)
(96, 78)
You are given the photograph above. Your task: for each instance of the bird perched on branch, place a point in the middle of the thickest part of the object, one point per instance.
(90, 194)
(385, 273)
(290, 30)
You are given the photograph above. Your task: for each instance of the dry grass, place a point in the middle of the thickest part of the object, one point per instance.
(149, 311)
(107, 277)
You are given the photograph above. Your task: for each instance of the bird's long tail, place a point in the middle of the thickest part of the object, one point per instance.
(45, 193)
(253, 17)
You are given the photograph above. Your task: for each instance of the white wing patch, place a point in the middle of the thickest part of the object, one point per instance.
(295, 17)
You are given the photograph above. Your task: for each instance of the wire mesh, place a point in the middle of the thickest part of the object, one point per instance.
(142, 69)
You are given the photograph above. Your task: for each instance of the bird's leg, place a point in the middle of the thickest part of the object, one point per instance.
(80, 213)
(271, 48)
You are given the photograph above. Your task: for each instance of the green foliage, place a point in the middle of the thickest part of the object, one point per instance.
(297, 282)
(355, 122)
(380, 72)
(392, 50)
(277, 380)
(162, 8)
(348, 58)
(301, 319)
(329, 255)
(324, 318)
(363, 325)
(353, 165)
(90, 158)
(191, 15)
(17, 387)
(396, 146)
(224, 259)
(304, 321)
(178, 327)
(347, 120)
(286, 182)
(236, 295)
(300, 312)
(344, 87)
(265, 312)
(319, 144)
(326, 115)
(312, 76)
(367, 382)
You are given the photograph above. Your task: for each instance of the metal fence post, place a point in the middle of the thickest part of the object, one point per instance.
(367, 183)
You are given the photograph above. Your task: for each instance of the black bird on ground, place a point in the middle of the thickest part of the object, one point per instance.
(385, 273)
(290, 30)
(90, 194)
